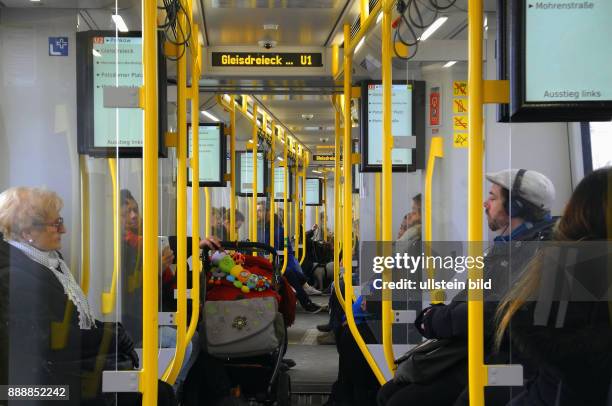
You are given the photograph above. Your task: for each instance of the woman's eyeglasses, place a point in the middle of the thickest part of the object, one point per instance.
(58, 224)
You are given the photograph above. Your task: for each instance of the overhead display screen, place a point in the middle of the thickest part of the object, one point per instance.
(568, 51)
(407, 120)
(107, 60)
(279, 184)
(556, 55)
(313, 192)
(212, 156)
(244, 172)
(268, 59)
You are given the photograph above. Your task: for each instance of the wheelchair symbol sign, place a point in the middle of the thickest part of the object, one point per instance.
(58, 46)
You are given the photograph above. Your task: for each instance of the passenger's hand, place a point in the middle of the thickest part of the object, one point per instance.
(211, 242)
(167, 257)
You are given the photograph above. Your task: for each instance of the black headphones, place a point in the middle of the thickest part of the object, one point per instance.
(517, 204)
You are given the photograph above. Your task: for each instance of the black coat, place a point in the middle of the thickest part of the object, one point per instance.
(40, 339)
(502, 264)
(571, 345)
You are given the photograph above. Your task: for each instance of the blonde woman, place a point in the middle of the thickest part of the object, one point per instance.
(49, 333)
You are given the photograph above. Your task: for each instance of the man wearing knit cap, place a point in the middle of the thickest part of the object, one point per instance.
(518, 210)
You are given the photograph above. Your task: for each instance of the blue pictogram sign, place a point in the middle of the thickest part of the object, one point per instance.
(58, 46)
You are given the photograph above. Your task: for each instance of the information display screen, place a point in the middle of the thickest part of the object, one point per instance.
(244, 173)
(119, 64)
(279, 184)
(313, 192)
(401, 122)
(212, 156)
(407, 120)
(568, 51)
(107, 60)
(556, 55)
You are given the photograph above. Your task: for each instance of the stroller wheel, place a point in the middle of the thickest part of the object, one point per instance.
(283, 390)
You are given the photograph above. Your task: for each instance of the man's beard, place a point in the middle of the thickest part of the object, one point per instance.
(494, 224)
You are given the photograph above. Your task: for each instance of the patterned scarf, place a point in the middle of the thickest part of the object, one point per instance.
(52, 260)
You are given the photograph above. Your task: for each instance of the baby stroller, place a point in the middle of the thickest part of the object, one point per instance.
(241, 323)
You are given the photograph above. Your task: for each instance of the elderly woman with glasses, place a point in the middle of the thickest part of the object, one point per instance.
(49, 333)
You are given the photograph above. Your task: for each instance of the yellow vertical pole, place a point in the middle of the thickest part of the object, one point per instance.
(364, 11)
(173, 368)
(196, 266)
(325, 206)
(305, 162)
(337, 211)
(272, 230)
(387, 186)
(377, 186)
(232, 113)
(348, 227)
(148, 377)
(85, 225)
(207, 211)
(335, 59)
(254, 142)
(285, 208)
(296, 206)
(477, 377)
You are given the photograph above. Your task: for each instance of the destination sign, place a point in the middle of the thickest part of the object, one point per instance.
(268, 59)
(324, 158)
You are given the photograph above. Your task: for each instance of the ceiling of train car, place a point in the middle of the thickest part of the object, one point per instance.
(288, 22)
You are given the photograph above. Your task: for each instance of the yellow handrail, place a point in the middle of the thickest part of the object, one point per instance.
(387, 185)
(272, 231)
(108, 298)
(148, 376)
(337, 211)
(303, 216)
(477, 371)
(436, 150)
(296, 206)
(377, 185)
(196, 265)
(232, 113)
(174, 366)
(285, 208)
(85, 225)
(253, 221)
(348, 227)
(324, 207)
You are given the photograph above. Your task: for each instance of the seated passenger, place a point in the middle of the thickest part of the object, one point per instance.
(522, 216)
(50, 334)
(131, 251)
(222, 231)
(571, 347)
(412, 225)
(293, 272)
(356, 383)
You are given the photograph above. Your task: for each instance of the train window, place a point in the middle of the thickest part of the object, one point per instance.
(601, 144)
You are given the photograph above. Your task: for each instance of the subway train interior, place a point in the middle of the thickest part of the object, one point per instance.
(426, 220)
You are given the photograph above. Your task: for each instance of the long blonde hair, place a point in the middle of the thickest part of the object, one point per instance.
(581, 220)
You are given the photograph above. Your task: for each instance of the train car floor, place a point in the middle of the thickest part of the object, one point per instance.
(316, 366)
